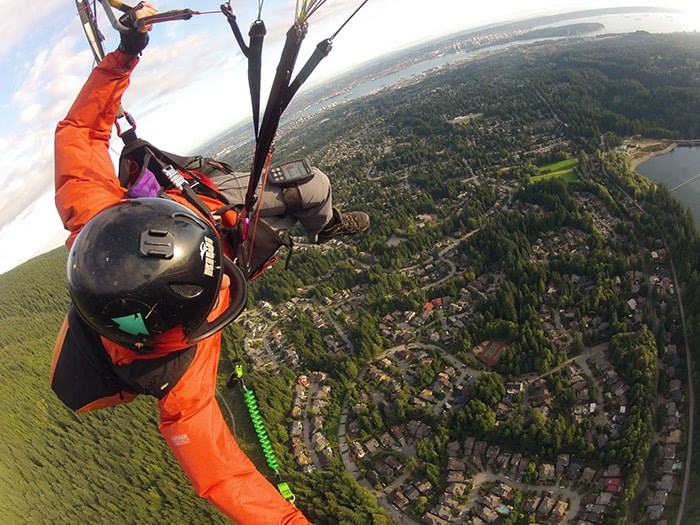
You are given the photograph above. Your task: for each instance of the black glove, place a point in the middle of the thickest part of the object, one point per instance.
(133, 42)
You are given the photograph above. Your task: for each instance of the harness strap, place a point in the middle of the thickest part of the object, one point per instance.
(283, 88)
(171, 172)
(253, 53)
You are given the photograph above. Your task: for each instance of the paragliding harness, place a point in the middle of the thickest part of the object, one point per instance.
(80, 358)
(147, 171)
(144, 169)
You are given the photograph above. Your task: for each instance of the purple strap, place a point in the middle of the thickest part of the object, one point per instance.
(145, 186)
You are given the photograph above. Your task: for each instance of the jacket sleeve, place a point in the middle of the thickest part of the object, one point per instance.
(85, 179)
(192, 424)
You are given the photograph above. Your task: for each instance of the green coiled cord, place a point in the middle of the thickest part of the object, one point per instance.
(259, 426)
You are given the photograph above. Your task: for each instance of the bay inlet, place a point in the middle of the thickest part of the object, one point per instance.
(679, 171)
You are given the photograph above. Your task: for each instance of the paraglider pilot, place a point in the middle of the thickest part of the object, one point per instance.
(152, 285)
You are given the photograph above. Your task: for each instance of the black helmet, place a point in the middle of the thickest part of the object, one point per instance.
(146, 274)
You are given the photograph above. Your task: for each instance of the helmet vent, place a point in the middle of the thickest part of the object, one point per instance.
(157, 243)
(190, 291)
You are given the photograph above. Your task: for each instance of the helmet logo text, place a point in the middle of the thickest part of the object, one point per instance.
(206, 252)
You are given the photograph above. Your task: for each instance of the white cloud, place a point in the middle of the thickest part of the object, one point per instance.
(35, 231)
(28, 161)
(183, 93)
(20, 20)
(42, 98)
(30, 112)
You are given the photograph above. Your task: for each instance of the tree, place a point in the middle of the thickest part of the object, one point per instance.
(531, 474)
(425, 450)
(489, 388)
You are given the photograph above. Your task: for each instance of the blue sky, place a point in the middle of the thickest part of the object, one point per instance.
(191, 83)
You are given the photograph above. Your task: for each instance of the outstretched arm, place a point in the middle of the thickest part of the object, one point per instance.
(85, 180)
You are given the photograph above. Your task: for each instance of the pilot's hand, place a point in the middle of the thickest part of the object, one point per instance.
(145, 9)
(135, 40)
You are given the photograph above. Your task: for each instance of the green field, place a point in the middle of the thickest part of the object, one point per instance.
(563, 169)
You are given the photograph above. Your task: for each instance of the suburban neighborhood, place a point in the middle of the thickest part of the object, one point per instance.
(482, 482)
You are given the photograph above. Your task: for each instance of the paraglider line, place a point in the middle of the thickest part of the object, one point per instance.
(348, 20)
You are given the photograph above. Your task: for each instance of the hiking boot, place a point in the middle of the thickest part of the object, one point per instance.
(344, 224)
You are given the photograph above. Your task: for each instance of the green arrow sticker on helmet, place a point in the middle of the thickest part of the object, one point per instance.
(132, 324)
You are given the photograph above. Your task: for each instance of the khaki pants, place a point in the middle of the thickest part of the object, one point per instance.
(316, 201)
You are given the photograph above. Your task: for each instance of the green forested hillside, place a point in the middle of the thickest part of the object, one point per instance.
(57, 467)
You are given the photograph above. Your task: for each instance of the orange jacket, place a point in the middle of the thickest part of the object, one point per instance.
(191, 420)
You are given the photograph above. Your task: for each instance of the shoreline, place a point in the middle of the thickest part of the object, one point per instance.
(691, 143)
(640, 160)
(688, 198)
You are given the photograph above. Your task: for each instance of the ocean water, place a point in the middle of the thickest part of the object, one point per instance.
(679, 171)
